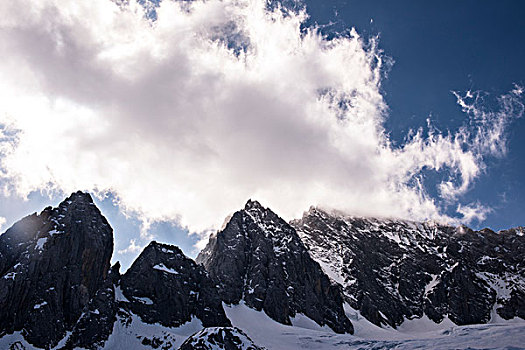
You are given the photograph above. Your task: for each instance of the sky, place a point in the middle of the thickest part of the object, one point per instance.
(174, 114)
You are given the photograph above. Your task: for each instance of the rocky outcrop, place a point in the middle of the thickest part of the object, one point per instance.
(57, 289)
(56, 284)
(395, 270)
(227, 338)
(260, 259)
(95, 325)
(165, 286)
(51, 265)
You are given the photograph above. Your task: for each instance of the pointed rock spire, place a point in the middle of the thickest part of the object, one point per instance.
(259, 258)
(164, 286)
(57, 261)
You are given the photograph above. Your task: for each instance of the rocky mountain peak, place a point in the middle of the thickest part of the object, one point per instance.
(253, 205)
(393, 270)
(163, 285)
(259, 258)
(258, 213)
(79, 197)
(52, 265)
(462, 229)
(165, 251)
(227, 338)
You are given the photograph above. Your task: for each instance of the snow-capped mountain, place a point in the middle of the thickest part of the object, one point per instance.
(57, 289)
(259, 259)
(392, 271)
(164, 286)
(258, 287)
(52, 265)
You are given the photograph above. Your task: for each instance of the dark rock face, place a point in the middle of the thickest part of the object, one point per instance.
(394, 270)
(165, 286)
(96, 322)
(259, 258)
(55, 278)
(227, 338)
(52, 265)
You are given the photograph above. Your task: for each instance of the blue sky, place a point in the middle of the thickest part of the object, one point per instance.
(444, 46)
(183, 145)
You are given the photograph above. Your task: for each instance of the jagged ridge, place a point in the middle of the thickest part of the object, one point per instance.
(163, 285)
(260, 259)
(396, 270)
(56, 287)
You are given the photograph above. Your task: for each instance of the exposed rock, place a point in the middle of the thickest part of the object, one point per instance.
(395, 270)
(227, 338)
(96, 322)
(52, 264)
(165, 286)
(57, 287)
(259, 258)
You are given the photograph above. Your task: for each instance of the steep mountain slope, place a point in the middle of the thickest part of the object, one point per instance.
(162, 299)
(52, 264)
(261, 288)
(165, 286)
(395, 270)
(57, 289)
(260, 259)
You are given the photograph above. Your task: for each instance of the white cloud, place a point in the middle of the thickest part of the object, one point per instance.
(473, 211)
(132, 248)
(2, 223)
(216, 102)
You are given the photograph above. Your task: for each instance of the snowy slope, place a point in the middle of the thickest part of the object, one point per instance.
(418, 281)
(395, 270)
(275, 336)
(422, 334)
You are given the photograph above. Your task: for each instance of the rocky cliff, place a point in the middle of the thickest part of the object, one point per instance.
(259, 259)
(57, 289)
(396, 270)
(227, 338)
(165, 286)
(52, 264)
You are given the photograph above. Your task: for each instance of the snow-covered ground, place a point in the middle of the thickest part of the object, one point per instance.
(413, 334)
(129, 333)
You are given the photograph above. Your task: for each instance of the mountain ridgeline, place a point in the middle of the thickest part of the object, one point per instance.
(58, 290)
(259, 258)
(392, 271)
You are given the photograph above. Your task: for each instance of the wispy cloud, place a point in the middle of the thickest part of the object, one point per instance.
(133, 248)
(215, 102)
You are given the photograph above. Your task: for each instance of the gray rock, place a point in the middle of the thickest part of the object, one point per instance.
(395, 270)
(227, 338)
(259, 258)
(52, 264)
(165, 286)
(95, 325)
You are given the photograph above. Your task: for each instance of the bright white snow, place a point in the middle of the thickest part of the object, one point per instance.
(162, 267)
(126, 336)
(305, 334)
(414, 334)
(144, 300)
(40, 243)
(38, 306)
(119, 296)
(10, 275)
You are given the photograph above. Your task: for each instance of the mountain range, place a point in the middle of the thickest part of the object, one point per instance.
(327, 280)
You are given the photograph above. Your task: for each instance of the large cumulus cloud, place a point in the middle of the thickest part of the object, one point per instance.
(215, 102)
